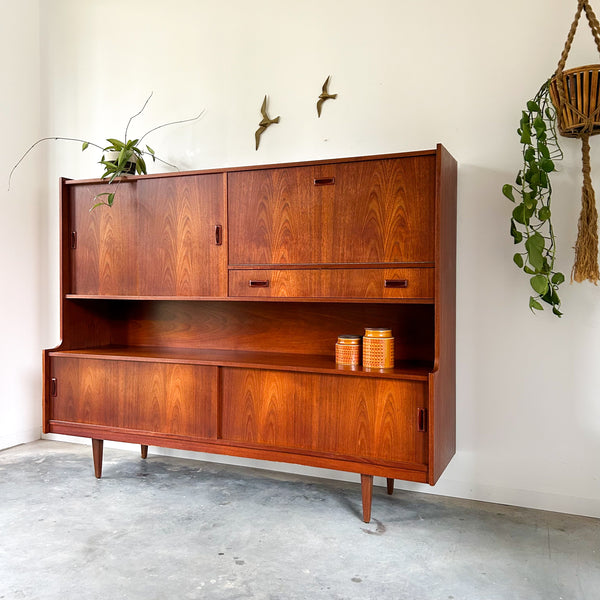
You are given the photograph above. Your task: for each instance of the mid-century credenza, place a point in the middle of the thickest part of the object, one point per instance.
(202, 309)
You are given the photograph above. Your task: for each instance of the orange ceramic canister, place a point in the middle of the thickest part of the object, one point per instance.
(378, 348)
(347, 350)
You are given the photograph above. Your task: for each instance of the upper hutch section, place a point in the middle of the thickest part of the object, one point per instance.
(345, 229)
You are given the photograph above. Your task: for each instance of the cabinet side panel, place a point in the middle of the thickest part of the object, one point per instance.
(443, 380)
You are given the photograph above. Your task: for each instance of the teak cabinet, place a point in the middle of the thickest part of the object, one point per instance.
(201, 312)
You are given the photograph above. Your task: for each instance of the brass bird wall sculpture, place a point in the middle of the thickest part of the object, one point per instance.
(325, 95)
(266, 122)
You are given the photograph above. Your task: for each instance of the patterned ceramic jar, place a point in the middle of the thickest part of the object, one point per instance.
(347, 350)
(378, 348)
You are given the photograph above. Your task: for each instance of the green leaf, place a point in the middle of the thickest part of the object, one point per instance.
(529, 155)
(539, 125)
(150, 150)
(544, 213)
(516, 234)
(110, 198)
(519, 214)
(534, 304)
(518, 260)
(533, 106)
(547, 165)
(141, 165)
(556, 311)
(534, 246)
(526, 134)
(543, 150)
(84, 146)
(115, 144)
(557, 278)
(528, 270)
(539, 283)
(507, 190)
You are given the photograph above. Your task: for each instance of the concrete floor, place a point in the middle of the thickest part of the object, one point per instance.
(170, 528)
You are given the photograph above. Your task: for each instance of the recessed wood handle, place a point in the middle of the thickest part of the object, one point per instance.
(256, 283)
(396, 283)
(53, 387)
(324, 181)
(422, 419)
(218, 235)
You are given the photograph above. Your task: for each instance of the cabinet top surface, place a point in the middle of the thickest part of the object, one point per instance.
(324, 161)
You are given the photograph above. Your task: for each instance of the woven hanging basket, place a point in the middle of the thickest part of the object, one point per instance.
(580, 112)
(575, 94)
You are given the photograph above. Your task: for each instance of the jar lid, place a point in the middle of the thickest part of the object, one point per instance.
(379, 332)
(349, 339)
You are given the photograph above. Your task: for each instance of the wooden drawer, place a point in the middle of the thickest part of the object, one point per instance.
(357, 417)
(415, 283)
(155, 397)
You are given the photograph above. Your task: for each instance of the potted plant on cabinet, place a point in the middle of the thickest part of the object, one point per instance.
(119, 158)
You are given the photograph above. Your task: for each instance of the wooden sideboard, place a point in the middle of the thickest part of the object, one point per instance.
(201, 312)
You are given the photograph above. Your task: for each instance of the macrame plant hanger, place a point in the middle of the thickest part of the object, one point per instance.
(575, 94)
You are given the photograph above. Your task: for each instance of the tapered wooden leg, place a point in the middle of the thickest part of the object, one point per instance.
(366, 484)
(390, 485)
(144, 451)
(97, 449)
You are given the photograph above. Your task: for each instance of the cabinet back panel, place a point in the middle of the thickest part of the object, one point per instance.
(288, 327)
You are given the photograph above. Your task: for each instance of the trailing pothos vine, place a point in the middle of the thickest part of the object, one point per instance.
(531, 221)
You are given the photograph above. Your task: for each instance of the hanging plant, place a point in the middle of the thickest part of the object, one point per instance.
(531, 220)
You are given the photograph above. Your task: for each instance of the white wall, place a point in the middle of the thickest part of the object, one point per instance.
(22, 226)
(408, 74)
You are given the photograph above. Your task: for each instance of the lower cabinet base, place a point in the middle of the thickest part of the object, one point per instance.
(366, 481)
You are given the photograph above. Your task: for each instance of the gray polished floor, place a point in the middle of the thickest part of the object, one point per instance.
(169, 528)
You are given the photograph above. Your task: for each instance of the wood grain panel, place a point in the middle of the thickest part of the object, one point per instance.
(332, 283)
(374, 418)
(274, 216)
(161, 398)
(376, 211)
(443, 381)
(178, 254)
(292, 327)
(104, 261)
(158, 239)
(383, 212)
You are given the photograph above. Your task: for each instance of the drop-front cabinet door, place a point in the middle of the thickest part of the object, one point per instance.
(162, 237)
(373, 211)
